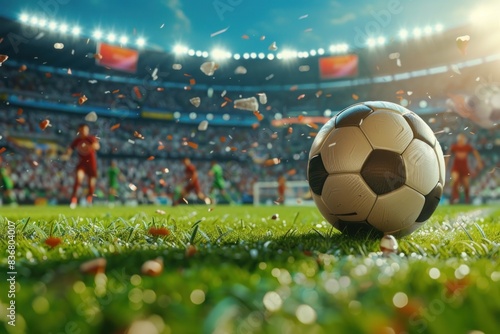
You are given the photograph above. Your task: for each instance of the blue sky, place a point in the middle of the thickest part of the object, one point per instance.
(301, 25)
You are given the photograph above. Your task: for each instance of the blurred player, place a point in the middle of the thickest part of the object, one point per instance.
(86, 147)
(114, 174)
(6, 185)
(218, 182)
(281, 189)
(192, 183)
(460, 172)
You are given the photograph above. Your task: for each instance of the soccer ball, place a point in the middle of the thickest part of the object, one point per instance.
(376, 167)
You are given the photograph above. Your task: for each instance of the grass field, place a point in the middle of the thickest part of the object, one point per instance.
(247, 272)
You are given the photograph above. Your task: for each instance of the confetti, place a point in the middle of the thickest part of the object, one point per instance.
(170, 137)
(255, 125)
(262, 98)
(222, 139)
(20, 120)
(138, 135)
(319, 93)
(262, 37)
(249, 103)
(3, 149)
(132, 186)
(313, 125)
(219, 32)
(159, 231)
(273, 47)
(191, 251)
(192, 81)
(23, 68)
(224, 92)
(115, 91)
(20, 111)
(44, 124)
(195, 101)
(462, 43)
(245, 37)
(303, 16)
(290, 130)
(3, 59)
(203, 126)
(272, 162)
(52, 241)
(388, 244)
(94, 267)
(82, 99)
(259, 116)
(97, 56)
(269, 77)
(292, 172)
(223, 104)
(240, 70)
(301, 96)
(91, 116)
(152, 157)
(399, 92)
(152, 267)
(192, 145)
(69, 71)
(114, 127)
(137, 92)
(209, 67)
(394, 55)
(355, 97)
(294, 88)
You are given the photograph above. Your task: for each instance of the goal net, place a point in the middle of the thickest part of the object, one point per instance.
(296, 193)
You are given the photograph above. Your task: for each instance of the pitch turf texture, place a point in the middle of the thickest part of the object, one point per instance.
(250, 273)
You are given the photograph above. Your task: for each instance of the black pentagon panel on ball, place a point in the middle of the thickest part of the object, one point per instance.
(420, 129)
(362, 229)
(431, 202)
(353, 115)
(384, 171)
(316, 174)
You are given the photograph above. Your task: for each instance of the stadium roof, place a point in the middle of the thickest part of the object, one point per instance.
(239, 26)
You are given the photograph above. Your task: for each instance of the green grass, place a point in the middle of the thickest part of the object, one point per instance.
(250, 274)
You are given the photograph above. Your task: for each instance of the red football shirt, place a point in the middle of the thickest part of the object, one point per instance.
(191, 172)
(461, 153)
(85, 150)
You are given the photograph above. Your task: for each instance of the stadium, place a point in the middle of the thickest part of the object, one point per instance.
(144, 249)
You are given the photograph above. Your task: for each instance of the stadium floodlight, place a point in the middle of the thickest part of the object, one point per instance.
(52, 26)
(438, 27)
(270, 56)
(198, 53)
(381, 40)
(76, 31)
(205, 54)
(217, 54)
(246, 55)
(287, 54)
(228, 54)
(371, 42)
(417, 32)
(97, 34)
(279, 55)
(312, 52)
(24, 17)
(428, 30)
(262, 55)
(42, 23)
(111, 37)
(343, 47)
(63, 28)
(236, 56)
(321, 51)
(140, 42)
(333, 48)
(180, 49)
(403, 34)
(34, 20)
(191, 52)
(253, 55)
(123, 39)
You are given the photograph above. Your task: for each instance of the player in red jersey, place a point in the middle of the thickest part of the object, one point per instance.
(192, 182)
(86, 147)
(460, 172)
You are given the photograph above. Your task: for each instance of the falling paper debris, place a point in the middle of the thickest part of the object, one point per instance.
(270, 76)
(394, 55)
(455, 68)
(82, 99)
(94, 266)
(44, 124)
(273, 47)
(388, 244)
(3, 58)
(262, 98)
(240, 70)
(58, 46)
(152, 267)
(303, 16)
(195, 101)
(203, 126)
(223, 93)
(249, 103)
(219, 32)
(91, 116)
(462, 43)
(209, 67)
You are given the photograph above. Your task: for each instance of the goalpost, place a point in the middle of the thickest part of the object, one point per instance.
(296, 193)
